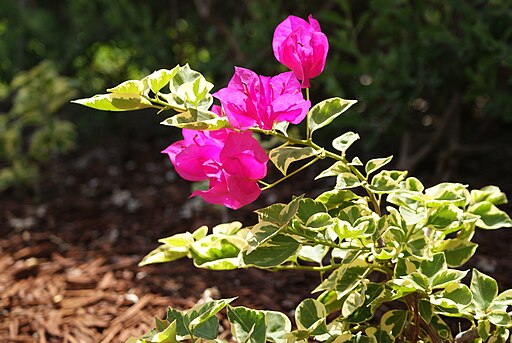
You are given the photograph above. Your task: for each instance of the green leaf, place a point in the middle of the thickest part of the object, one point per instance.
(484, 328)
(347, 180)
(431, 267)
(262, 232)
(413, 184)
(200, 320)
(374, 297)
(128, 87)
(442, 218)
(197, 119)
(290, 210)
(326, 111)
(247, 325)
(282, 126)
(376, 164)
(336, 198)
(484, 289)
(283, 156)
(217, 252)
(166, 336)
(277, 326)
(447, 193)
(445, 277)
(319, 222)
(336, 169)
(115, 102)
(491, 194)
(313, 253)
(343, 142)
(387, 181)
(504, 299)
(311, 315)
(393, 322)
(182, 76)
(227, 228)
(490, 216)
(425, 310)
(457, 251)
(179, 241)
(158, 79)
(200, 232)
(455, 296)
(379, 335)
(353, 301)
(273, 252)
(163, 253)
(442, 328)
(271, 213)
(499, 318)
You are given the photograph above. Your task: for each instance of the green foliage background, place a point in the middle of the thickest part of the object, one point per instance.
(433, 79)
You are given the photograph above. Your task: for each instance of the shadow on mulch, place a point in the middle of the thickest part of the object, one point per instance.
(68, 263)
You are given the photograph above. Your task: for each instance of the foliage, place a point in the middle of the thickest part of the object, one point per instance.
(31, 132)
(380, 241)
(434, 71)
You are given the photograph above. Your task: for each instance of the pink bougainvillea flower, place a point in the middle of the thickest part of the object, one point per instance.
(301, 46)
(232, 161)
(252, 100)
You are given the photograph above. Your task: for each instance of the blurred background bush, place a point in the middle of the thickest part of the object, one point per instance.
(433, 78)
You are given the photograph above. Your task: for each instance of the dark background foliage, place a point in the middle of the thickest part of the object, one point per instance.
(433, 79)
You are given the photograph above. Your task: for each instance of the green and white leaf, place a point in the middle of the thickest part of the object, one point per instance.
(277, 326)
(273, 252)
(197, 119)
(128, 87)
(160, 78)
(283, 156)
(393, 322)
(115, 102)
(376, 164)
(326, 111)
(311, 315)
(247, 325)
(484, 289)
(343, 142)
(490, 216)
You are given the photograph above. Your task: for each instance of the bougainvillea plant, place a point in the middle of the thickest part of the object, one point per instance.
(385, 247)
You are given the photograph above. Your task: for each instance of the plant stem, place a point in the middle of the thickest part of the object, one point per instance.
(308, 131)
(291, 174)
(165, 104)
(308, 268)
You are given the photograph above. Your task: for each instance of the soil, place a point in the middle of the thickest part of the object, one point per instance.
(68, 257)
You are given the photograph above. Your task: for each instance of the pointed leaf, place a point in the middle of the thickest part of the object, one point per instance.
(128, 87)
(393, 322)
(326, 111)
(273, 252)
(247, 325)
(376, 164)
(343, 142)
(311, 315)
(158, 79)
(115, 102)
(490, 216)
(197, 119)
(283, 156)
(484, 289)
(277, 326)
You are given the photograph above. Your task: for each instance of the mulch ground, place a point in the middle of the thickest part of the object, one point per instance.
(68, 260)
